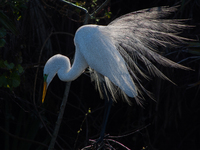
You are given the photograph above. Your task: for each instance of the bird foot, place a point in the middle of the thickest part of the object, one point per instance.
(99, 143)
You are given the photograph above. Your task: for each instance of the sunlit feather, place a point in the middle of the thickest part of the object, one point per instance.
(112, 52)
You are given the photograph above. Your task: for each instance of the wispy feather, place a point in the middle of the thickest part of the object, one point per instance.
(137, 36)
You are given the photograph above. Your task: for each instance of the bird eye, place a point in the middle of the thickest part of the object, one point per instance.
(45, 77)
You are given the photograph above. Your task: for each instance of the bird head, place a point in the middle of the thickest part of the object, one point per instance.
(50, 69)
(48, 75)
(56, 64)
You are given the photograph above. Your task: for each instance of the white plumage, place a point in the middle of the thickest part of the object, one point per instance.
(112, 52)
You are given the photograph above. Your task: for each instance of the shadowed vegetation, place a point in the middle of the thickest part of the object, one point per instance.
(33, 31)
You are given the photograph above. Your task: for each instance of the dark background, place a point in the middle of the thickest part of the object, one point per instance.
(171, 123)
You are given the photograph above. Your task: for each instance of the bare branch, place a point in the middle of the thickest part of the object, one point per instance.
(22, 139)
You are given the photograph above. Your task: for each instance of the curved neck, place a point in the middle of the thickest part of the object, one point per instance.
(78, 67)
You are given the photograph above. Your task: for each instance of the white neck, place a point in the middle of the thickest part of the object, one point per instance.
(78, 67)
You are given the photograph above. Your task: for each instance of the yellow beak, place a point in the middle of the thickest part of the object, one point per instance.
(44, 91)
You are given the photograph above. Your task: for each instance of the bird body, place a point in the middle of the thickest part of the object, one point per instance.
(112, 52)
(106, 61)
(102, 56)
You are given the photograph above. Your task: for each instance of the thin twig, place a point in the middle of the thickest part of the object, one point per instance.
(119, 143)
(100, 8)
(60, 116)
(22, 139)
(89, 111)
(76, 6)
(120, 136)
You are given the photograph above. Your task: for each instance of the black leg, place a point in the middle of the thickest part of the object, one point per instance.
(108, 104)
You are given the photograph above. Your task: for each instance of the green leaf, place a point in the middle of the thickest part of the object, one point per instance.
(15, 79)
(15, 82)
(9, 66)
(8, 83)
(3, 81)
(94, 1)
(2, 42)
(7, 23)
(19, 68)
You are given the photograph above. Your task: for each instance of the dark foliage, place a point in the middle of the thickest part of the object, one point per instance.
(46, 28)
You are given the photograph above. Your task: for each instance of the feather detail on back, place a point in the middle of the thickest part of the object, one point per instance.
(113, 90)
(136, 36)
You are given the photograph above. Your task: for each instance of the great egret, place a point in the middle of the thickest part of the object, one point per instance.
(113, 53)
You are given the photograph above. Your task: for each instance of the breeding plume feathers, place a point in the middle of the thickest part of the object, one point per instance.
(137, 36)
(112, 52)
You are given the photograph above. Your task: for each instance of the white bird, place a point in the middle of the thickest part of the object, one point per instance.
(113, 52)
